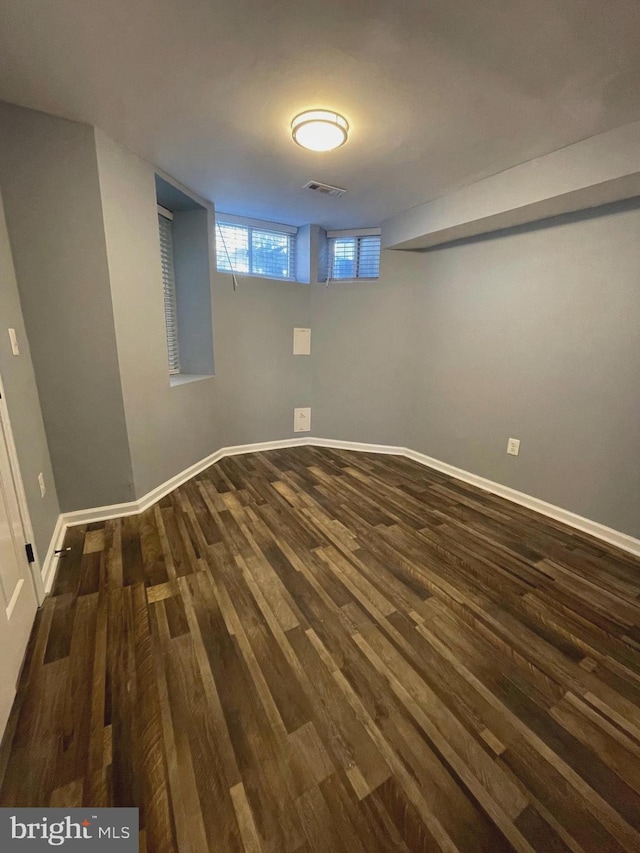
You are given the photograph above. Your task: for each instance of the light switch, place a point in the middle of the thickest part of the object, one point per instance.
(301, 420)
(302, 341)
(15, 349)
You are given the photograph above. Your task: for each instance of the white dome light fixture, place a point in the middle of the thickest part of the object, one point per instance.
(320, 130)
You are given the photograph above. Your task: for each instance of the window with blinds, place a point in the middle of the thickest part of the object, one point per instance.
(352, 257)
(169, 286)
(253, 250)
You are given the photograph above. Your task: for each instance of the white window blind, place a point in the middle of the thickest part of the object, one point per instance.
(255, 250)
(354, 257)
(169, 287)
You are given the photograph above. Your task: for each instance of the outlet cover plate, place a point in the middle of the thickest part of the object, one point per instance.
(302, 420)
(513, 447)
(302, 341)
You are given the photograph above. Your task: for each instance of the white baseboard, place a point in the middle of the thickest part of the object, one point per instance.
(104, 513)
(50, 563)
(571, 519)
(358, 446)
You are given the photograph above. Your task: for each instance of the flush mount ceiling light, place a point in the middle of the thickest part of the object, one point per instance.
(320, 130)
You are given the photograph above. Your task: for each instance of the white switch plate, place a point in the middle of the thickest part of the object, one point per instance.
(513, 446)
(15, 349)
(301, 420)
(302, 341)
(43, 488)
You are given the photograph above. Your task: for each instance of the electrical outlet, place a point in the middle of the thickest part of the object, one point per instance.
(302, 341)
(301, 420)
(15, 349)
(513, 446)
(43, 488)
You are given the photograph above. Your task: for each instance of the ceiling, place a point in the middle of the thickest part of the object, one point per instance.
(439, 93)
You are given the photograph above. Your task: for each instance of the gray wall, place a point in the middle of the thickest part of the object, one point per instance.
(49, 181)
(258, 381)
(23, 404)
(532, 334)
(362, 352)
(192, 259)
(536, 335)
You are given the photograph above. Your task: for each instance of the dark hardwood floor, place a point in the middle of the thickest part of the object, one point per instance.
(319, 650)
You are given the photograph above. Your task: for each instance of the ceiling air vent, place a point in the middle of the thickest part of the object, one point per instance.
(325, 189)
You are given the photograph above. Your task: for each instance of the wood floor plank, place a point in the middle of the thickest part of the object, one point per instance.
(310, 649)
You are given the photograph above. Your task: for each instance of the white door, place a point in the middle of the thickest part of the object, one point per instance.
(17, 594)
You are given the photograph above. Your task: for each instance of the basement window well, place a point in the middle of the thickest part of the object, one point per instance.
(256, 248)
(353, 255)
(184, 227)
